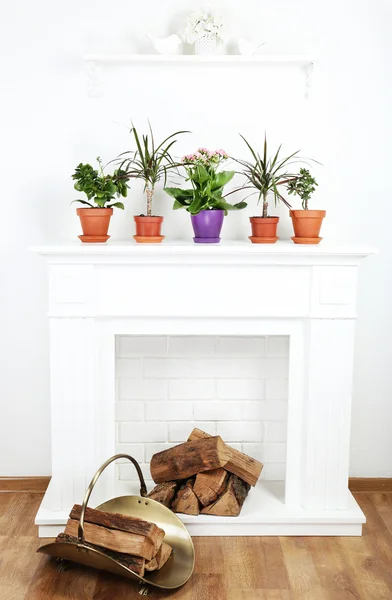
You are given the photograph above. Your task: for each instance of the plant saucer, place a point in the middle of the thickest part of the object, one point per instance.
(201, 240)
(146, 239)
(306, 240)
(263, 240)
(94, 239)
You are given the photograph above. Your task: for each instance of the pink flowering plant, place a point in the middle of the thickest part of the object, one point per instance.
(207, 183)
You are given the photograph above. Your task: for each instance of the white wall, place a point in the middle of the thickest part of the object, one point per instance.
(48, 125)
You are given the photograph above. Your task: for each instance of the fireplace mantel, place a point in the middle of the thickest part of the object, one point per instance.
(283, 252)
(305, 292)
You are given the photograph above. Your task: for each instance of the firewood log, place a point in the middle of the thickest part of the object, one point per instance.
(188, 459)
(160, 559)
(135, 563)
(229, 504)
(113, 539)
(121, 522)
(164, 492)
(186, 501)
(239, 464)
(210, 485)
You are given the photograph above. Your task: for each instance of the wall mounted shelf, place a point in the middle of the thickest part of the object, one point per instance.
(97, 62)
(189, 59)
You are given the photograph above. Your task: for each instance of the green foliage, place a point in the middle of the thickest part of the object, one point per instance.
(98, 187)
(265, 174)
(206, 192)
(303, 185)
(149, 162)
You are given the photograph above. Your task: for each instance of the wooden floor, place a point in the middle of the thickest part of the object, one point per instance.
(255, 568)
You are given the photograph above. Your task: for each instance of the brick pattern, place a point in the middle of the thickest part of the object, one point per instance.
(231, 386)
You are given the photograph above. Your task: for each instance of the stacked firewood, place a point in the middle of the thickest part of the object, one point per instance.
(135, 543)
(203, 475)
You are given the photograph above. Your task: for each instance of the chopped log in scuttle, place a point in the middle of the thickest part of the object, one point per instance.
(186, 501)
(135, 563)
(164, 492)
(121, 522)
(164, 553)
(113, 539)
(189, 458)
(132, 542)
(238, 463)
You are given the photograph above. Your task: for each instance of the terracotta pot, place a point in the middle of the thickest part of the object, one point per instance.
(95, 224)
(263, 230)
(148, 230)
(307, 225)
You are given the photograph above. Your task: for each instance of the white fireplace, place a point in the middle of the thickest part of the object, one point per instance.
(254, 343)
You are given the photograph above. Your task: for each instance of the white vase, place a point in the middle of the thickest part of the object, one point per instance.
(206, 44)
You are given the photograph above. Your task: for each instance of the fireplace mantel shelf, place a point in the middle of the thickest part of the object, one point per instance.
(283, 252)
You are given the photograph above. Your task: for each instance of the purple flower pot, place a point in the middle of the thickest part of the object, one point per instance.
(207, 225)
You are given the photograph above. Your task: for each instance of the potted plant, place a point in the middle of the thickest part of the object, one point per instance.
(306, 223)
(203, 29)
(204, 200)
(150, 163)
(264, 174)
(100, 190)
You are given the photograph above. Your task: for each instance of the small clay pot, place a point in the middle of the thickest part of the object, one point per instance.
(148, 230)
(95, 224)
(263, 230)
(307, 225)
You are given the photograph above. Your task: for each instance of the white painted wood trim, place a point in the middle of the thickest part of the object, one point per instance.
(192, 59)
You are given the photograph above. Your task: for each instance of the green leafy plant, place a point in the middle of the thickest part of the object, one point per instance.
(303, 185)
(98, 187)
(265, 174)
(150, 162)
(207, 183)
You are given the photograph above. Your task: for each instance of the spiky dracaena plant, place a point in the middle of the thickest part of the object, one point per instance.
(265, 174)
(149, 162)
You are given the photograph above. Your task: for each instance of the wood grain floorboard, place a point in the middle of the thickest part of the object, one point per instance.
(303, 577)
(332, 568)
(259, 595)
(242, 568)
(369, 558)
(19, 514)
(383, 506)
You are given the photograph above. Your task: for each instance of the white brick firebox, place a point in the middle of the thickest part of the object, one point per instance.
(235, 387)
(252, 342)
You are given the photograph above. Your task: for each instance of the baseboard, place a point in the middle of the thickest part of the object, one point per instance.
(40, 484)
(370, 484)
(24, 484)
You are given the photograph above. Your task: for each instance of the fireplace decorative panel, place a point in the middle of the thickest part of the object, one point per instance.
(103, 301)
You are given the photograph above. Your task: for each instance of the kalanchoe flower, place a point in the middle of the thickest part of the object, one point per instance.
(205, 157)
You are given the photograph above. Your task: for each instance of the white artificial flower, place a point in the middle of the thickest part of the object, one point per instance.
(201, 23)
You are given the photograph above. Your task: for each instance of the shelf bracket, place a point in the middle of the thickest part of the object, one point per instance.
(309, 79)
(95, 87)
